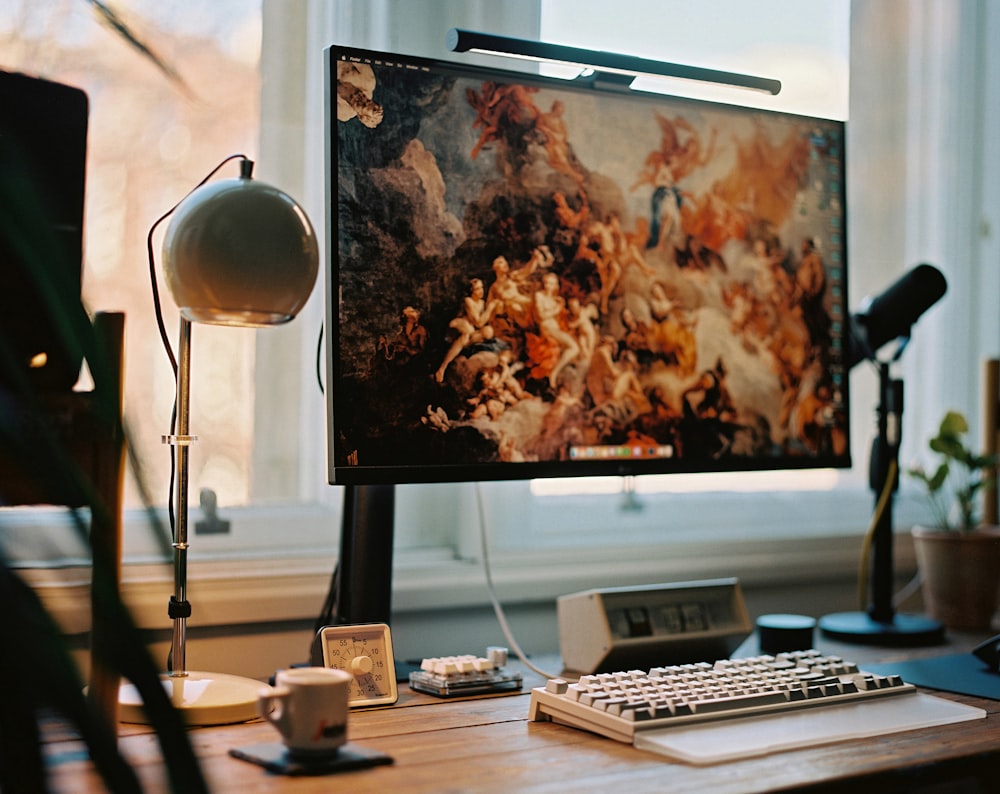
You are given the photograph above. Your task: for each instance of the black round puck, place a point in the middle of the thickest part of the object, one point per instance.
(781, 633)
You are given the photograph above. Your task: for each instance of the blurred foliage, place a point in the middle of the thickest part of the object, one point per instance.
(45, 681)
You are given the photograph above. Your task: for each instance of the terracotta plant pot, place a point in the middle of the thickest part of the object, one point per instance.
(961, 575)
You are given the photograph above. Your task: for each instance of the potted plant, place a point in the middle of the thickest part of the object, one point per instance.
(959, 557)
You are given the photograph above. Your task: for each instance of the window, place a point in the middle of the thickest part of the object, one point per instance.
(258, 411)
(158, 124)
(805, 45)
(153, 135)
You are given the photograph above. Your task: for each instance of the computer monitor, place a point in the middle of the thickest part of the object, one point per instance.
(43, 153)
(533, 277)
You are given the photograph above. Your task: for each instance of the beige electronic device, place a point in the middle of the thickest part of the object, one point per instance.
(626, 628)
(365, 651)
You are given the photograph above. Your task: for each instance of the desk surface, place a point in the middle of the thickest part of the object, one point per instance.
(487, 743)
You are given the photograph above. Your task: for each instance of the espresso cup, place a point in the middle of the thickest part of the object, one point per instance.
(308, 706)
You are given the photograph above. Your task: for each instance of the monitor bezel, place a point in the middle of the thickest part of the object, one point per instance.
(355, 475)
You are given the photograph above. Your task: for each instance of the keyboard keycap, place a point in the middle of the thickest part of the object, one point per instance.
(738, 703)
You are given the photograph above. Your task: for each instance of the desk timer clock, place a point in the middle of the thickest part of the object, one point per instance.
(365, 651)
(622, 628)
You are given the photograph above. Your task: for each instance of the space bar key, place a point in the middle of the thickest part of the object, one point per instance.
(738, 703)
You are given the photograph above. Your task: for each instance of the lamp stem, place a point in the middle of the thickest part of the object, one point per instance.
(203, 698)
(180, 609)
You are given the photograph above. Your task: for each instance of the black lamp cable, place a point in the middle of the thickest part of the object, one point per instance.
(246, 167)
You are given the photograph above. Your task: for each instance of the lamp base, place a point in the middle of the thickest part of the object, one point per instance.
(202, 698)
(860, 628)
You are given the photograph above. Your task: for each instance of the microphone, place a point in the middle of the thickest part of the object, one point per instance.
(892, 314)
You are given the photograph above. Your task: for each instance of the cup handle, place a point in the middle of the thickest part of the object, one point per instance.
(271, 705)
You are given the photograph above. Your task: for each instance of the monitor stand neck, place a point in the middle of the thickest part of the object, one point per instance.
(363, 589)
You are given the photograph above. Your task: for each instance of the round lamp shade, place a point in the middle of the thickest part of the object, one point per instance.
(240, 252)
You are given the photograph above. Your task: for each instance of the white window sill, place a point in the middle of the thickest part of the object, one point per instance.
(292, 589)
(540, 548)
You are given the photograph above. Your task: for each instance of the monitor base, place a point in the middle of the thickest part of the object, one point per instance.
(860, 628)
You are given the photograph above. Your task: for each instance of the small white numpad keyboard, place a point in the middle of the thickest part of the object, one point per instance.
(447, 676)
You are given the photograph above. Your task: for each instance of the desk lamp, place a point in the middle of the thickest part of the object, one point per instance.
(237, 252)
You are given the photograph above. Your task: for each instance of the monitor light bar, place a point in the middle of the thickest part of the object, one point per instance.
(459, 40)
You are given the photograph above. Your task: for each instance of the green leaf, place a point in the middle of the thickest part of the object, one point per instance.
(940, 477)
(954, 424)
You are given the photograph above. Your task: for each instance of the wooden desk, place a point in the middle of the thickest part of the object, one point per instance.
(488, 744)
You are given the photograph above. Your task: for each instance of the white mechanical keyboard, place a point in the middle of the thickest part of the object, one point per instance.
(626, 704)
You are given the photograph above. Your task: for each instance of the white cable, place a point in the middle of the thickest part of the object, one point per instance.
(908, 590)
(497, 608)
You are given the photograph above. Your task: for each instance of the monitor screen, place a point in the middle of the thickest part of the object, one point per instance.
(535, 277)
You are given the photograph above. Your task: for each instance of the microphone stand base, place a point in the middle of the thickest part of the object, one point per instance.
(903, 630)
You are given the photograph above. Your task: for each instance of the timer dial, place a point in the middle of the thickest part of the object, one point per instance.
(365, 651)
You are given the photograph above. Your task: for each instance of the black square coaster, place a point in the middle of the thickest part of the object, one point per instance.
(274, 757)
